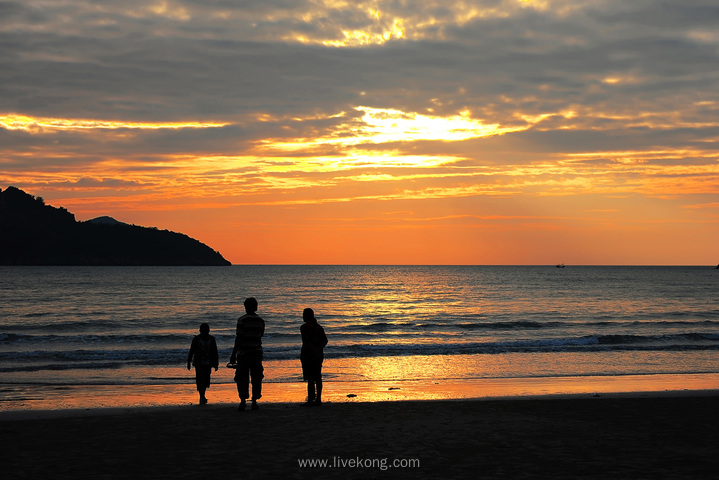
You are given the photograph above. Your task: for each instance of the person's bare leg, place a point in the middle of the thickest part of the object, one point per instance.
(318, 398)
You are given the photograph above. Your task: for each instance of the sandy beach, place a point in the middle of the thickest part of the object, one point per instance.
(657, 435)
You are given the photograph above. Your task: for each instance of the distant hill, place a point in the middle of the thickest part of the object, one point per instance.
(105, 221)
(32, 233)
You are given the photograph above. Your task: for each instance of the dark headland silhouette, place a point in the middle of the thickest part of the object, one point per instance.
(32, 233)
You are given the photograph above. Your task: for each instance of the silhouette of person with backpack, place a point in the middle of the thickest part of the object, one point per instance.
(311, 356)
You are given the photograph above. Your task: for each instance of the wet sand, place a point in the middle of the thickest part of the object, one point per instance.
(657, 435)
(58, 398)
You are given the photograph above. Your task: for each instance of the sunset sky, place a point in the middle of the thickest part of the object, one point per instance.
(375, 132)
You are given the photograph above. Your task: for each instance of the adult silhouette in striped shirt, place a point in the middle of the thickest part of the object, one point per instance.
(247, 354)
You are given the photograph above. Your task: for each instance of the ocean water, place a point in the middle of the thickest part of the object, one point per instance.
(133, 325)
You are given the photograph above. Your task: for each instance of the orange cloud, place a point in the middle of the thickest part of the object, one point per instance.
(46, 125)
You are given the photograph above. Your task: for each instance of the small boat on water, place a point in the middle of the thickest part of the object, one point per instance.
(561, 265)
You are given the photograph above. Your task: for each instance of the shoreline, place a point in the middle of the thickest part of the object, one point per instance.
(69, 413)
(64, 400)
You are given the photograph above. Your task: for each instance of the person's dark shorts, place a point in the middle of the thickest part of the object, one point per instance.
(202, 376)
(311, 369)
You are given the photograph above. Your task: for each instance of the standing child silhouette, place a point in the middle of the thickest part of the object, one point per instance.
(203, 355)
